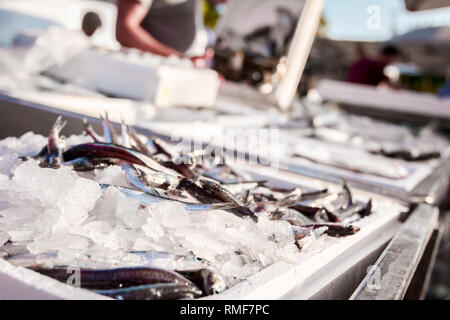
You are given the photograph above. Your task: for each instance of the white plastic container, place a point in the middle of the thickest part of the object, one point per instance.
(144, 78)
(330, 273)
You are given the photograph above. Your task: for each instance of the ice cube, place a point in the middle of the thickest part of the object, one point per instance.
(127, 211)
(153, 229)
(237, 267)
(112, 175)
(62, 190)
(145, 245)
(21, 235)
(105, 207)
(170, 213)
(3, 238)
(201, 242)
(57, 242)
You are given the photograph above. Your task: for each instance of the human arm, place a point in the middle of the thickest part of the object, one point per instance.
(130, 33)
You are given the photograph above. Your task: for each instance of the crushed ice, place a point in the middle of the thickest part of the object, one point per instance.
(66, 219)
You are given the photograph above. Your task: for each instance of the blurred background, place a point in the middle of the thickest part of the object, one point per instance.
(349, 30)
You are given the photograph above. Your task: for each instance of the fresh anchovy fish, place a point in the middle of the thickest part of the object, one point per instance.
(409, 155)
(314, 195)
(55, 145)
(335, 230)
(287, 201)
(219, 193)
(300, 232)
(126, 140)
(109, 133)
(88, 164)
(11, 249)
(206, 279)
(41, 154)
(363, 210)
(317, 213)
(209, 196)
(262, 194)
(134, 178)
(367, 209)
(181, 262)
(181, 168)
(161, 291)
(291, 199)
(182, 165)
(216, 191)
(306, 210)
(102, 150)
(306, 196)
(293, 217)
(148, 199)
(89, 130)
(240, 187)
(348, 195)
(196, 191)
(247, 197)
(117, 278)
(343, 201)
(32, 260)
(146, 148)
(331, 216)
(163, 148)
(155, 179)
(353, 209)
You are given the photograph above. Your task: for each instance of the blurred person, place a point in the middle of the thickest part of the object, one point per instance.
(162, 27)
(371, 71)
(91, 23)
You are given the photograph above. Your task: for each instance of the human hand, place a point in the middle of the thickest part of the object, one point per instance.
(205, 60)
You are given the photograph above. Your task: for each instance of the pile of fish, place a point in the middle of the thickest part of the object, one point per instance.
(374, 136)
(156, 172)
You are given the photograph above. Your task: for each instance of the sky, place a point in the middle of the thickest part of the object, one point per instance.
(377, 20)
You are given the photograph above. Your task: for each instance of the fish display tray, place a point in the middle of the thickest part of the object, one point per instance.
(330, 273)
(38, 118)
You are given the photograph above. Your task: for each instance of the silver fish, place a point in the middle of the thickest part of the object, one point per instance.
(147, 147)
(126, 140)
(294, 217)
(55, 145)
(135, 179)
(109, 133)
(33, 260)
(160, 291)
(210, 281)
(103, 150)
(89, 130)
(240, 187)
(149, 199)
